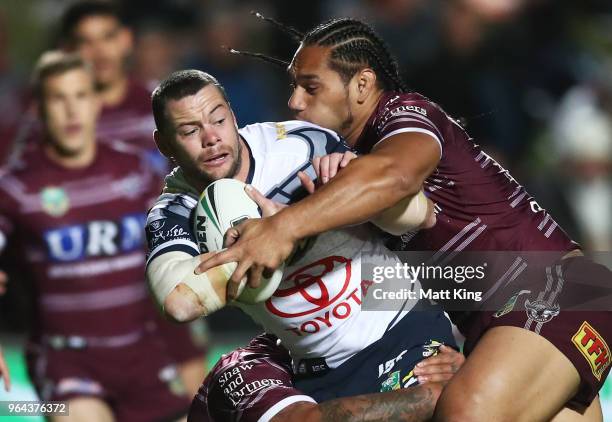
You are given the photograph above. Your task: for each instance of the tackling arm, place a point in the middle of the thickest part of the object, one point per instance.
(408, 405)
(410, 213)
(393, 171)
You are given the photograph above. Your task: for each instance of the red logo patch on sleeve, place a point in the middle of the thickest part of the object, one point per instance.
(594, 348)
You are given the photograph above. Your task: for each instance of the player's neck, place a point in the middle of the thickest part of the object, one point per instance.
(114, 93)
(76, 161)
(361, 115)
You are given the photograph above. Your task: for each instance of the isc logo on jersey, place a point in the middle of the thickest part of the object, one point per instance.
(95, 238)
(222, 205)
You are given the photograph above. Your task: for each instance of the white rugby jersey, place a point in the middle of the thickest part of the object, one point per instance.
(316, 311)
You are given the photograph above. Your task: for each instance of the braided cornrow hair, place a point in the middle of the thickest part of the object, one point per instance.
(354, 45)
(294, 33)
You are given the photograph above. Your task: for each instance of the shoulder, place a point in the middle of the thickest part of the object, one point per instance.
(123, 151)
(120, 147)
(411, 112)
(168, 227)
(139, 96)
(172, 204)
(410, 104)
(284, 136)
(20, 175)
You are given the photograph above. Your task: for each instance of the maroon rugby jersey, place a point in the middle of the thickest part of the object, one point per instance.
(480, 205)
(80, 234)
(131, 120)
(250, 384)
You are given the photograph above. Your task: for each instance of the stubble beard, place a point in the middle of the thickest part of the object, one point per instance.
(206, 179)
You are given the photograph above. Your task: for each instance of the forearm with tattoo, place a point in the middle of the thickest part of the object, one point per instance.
(407, 405)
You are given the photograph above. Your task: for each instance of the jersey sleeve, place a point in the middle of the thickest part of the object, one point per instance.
(413, 115)
(253, 391)
(169, 228)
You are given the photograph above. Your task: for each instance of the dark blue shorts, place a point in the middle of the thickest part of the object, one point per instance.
(386, 364)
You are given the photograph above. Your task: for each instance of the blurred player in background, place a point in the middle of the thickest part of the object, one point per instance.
(95, 29)
(72, 209)
(4, 372)
(345, 79)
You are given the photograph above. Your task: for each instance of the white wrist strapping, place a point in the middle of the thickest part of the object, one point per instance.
(167, 271)
(408, 214)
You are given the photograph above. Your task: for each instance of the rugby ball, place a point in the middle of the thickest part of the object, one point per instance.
(222, 205)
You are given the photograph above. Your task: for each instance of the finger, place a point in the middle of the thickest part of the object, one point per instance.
(307, 182)
(334, 163)
(316, 163)
(437, 360)
(254, 276)
(233, 290)
(434, 369)
(219, 258)
(447, 349)
(434, 378)
(207, 255)
(347, 158)
(324, 169)
(267, 206)
(236, 279)
(231, 236)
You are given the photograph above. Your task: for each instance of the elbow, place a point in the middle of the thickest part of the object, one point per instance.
(402, 179)
(180, 306)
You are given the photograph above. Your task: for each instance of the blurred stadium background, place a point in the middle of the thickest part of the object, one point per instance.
(531, 80)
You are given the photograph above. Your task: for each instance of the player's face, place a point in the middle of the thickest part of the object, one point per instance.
(319, 94)
(104, 42)
(203, 136)
(69, 109)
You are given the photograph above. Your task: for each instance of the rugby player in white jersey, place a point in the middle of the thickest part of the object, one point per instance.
(329, 342)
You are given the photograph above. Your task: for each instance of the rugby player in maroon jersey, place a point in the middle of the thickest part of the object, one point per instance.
(73, 211)
(255, 383)
(346, 80)
(95, 29)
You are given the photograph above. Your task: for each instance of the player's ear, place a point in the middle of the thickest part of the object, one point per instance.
(160, 141)
(365, 84)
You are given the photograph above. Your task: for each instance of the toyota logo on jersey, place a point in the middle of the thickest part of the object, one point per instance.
(305, 291)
